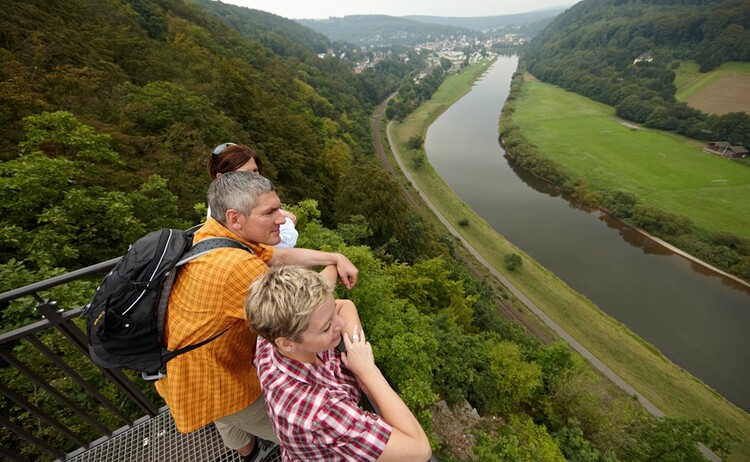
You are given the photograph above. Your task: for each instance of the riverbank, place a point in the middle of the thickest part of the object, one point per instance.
(656, 180)
(666, 385)
(687, 256)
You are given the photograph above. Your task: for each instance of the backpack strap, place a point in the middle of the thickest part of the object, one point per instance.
(172, 354)
(209, 244)
(201, 248)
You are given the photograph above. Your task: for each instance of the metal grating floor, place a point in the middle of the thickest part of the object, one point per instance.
(157, 440)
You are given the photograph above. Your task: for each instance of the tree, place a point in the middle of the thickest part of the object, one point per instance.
(672, 439)
(430, 286)
(369, 191)
(519, 441)
(516, 379)
(415, 142)
(512, 261)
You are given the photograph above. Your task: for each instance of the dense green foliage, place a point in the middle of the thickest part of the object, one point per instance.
(133, 105)
(622, 53)
(414, 92)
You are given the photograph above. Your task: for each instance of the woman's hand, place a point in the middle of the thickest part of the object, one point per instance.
(358, 357)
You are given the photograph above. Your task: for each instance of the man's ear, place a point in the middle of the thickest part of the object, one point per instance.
(233, 220)
(285, 345)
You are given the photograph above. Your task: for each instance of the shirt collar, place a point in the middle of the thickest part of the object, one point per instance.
(311, 374)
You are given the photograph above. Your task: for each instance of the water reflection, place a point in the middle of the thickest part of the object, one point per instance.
(628, 234)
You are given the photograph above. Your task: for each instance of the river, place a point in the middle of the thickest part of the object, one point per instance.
(695, 317)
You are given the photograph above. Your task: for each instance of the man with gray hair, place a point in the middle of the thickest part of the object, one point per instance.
(217, 382)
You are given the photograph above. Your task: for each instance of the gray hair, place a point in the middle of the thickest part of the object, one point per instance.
(238, 191)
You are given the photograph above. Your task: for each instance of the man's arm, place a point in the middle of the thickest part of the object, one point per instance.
(308, 258)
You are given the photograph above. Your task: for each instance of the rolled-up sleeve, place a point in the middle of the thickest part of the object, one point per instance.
(347, 430)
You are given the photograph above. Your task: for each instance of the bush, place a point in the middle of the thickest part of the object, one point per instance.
(512, 261)
(415, 142)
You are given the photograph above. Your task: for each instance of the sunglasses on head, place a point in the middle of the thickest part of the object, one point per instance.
(220, 148)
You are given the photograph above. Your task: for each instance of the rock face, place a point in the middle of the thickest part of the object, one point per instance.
(454, 428)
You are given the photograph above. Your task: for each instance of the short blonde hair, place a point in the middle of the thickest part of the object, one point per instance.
(281, 301)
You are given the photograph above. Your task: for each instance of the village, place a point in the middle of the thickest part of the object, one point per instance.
(461, 51)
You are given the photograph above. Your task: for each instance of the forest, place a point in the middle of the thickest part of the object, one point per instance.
(593, 49)
(109, 109)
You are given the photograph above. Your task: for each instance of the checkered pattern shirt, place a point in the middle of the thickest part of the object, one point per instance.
(218, 378)
(314, 409)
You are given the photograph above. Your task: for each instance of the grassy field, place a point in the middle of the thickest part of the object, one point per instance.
(723, 90)
(666, 385)
(662, 169)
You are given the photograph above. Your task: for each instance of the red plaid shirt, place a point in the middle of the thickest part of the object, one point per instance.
(314, 409)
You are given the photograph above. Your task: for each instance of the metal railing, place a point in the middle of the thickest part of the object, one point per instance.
(54, 399)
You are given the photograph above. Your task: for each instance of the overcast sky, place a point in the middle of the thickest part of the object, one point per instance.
(309, 9)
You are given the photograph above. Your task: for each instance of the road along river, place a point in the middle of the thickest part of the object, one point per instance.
(697, 318)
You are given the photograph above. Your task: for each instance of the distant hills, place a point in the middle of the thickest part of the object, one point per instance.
(534, 19)
(412, 30)
(383, 30)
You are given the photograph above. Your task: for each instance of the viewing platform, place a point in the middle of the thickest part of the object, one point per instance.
(58, 405)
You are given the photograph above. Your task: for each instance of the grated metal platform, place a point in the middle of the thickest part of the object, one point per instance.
(157, 440)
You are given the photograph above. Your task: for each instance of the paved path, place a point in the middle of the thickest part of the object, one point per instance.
(616, 379)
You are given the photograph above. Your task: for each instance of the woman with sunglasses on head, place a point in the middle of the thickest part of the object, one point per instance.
(231, 157)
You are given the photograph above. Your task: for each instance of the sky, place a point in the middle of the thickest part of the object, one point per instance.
(319, 9)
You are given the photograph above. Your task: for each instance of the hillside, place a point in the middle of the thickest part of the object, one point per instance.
(625, 54)
(150, 92)
(528, 24)
(374, 30)
(268, 28)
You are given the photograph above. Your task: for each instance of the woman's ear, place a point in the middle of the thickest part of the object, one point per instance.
(285, 345)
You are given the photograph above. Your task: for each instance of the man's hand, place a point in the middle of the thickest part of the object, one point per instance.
(347, 271)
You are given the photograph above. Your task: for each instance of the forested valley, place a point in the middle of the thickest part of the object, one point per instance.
(108, 111)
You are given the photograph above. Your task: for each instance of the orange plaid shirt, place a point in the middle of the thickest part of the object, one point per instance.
(218, 378)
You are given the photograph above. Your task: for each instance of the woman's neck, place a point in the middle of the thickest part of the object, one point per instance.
(303, 357)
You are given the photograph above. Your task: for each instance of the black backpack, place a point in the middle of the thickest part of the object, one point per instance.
(127, 313)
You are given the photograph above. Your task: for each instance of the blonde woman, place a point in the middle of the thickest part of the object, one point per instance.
(311, 390)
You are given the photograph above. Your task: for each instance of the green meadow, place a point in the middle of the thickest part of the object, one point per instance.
(664, 170)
